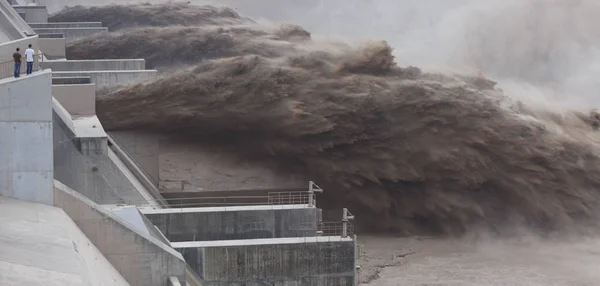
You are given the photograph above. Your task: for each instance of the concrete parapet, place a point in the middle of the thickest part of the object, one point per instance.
(65, 25)
(7, 49)
(52, 47)
(26, 170)
(241, 222)
(72, 33)
(280, 261)
(77, 99)
(104, 79)
(33, 14)
(95, 65)
(139, 257)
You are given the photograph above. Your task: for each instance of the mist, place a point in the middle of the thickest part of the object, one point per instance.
(543, 51)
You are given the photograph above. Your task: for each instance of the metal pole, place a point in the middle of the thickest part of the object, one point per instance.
(311, 194)
(345, 222)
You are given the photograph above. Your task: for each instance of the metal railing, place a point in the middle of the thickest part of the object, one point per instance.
(271, 199)
(337, 228)
(137, 171)
(7, 68)
(334, 228)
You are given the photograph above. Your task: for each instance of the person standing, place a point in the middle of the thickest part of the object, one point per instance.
(29, 58)
(17, 58)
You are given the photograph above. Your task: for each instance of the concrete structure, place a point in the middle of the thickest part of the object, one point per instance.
(139, 257)
(89, 136)
(6, 51)
(26, 170)
(107, 243)
(100, 177)
(280, 261)
(95, 65)
(109, 78)
(71, 80)
(77, 99)
(53, 46)
(72, 33)
(41, 245)
(64, 24)
(13, 25)
(32, 14)
(238, 222)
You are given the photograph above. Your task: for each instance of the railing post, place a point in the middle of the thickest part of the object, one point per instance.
(346, 217)
(311, 193)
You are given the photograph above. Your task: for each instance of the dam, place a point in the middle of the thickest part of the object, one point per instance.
(83, 206)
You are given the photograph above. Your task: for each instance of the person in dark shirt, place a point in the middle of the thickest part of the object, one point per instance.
(17, 58)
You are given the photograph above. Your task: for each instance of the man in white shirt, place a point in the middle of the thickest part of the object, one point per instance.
(29, 58)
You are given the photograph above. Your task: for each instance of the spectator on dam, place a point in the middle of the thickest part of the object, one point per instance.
(17, 58)
(29, 58)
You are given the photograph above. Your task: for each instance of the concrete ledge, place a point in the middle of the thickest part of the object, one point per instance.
(33, 14)
(51, 36)
(77, 99)
(72, 33)
(139, 257)
(95, 65)
(104, 79)
(282, 261)
(71, 80)
(66, 25)
(250, 222)
(88, 135)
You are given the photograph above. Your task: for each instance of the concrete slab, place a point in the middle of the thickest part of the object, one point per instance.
(88, 127)
(41, 245)
(265, 241)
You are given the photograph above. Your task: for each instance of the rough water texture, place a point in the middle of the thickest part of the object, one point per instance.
(117, 17)
(407, 151)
